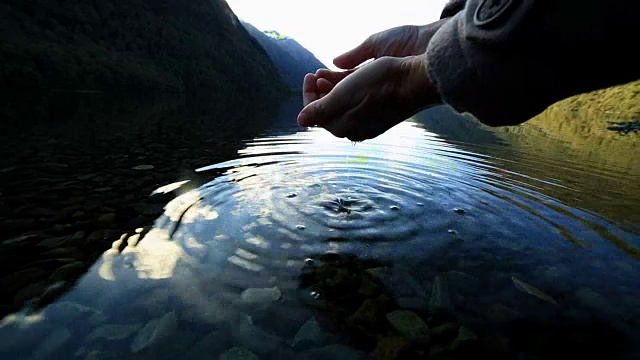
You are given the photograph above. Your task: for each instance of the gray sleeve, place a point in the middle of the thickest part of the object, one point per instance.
(505, 61)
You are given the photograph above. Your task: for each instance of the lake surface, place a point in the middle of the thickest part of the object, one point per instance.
(164, 230)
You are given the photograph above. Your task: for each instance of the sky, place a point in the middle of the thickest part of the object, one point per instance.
(330, 27)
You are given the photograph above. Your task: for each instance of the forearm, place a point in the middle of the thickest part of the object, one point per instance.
(510, 71)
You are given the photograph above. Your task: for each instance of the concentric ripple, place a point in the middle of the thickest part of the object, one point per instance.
(393, 196)
(485, 218)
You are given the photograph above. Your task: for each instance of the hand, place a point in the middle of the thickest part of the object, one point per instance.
(399, 41)
(365, 103)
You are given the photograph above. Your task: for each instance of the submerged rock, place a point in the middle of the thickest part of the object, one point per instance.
(113, 332)
(391, 348)
(239, 353)
(334, 351)
(440, 301)
(260, 295)
(210, 346)
(409, 325)
(531, 290)
(310, 334)
(155, 331)
(466, 337)
(256, 339)
(52, 343)
(66, 312)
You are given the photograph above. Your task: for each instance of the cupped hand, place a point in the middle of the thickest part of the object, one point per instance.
(401, 41)
(365, 103)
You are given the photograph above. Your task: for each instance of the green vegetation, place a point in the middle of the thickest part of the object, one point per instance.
(574, 131)
(620, 102)
(140, 45)
(275, 35)
(581, 122)
(292, 59)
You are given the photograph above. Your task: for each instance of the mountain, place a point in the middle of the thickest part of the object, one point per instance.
(142, 45)
(291, 58)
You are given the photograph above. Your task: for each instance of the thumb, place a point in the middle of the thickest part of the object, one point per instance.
(356, 56)
(321, 111)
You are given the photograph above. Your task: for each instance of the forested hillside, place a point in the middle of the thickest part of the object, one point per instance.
(292, 59)
(143, 45)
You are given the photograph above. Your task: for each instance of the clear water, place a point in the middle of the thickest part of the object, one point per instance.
(528, 239)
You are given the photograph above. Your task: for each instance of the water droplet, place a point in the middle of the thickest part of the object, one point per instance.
(292, 195)
(459, 211)
(394, 207)
(300, 227)
(420, 204)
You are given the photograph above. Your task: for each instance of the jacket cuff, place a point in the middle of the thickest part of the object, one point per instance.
(505, 67)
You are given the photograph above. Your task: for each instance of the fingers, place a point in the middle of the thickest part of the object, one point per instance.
(333, 76)
(323, 111)
(309, 89)
(323, 86)
(356, 56)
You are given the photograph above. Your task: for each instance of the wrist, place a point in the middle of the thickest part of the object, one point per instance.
(417, 87)
(426, 32)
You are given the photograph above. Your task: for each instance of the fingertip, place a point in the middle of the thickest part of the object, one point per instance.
(304, 119)
(323, 85)
(354, 57)
(342, 62)
(309, 78)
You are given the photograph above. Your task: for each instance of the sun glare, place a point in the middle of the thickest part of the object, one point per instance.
(331, 27)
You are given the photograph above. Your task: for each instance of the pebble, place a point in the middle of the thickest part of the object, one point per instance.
(155, 331)
(113, 332)
(310, 334)
(52, 343)
(239, 353)
(260, 295)
(143, 167)
(409, 325)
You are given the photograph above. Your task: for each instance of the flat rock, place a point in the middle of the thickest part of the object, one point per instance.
(143, 167)
(256, 339)
(210, 346)
(440, 300)
(113, 332)
(66, 312)
(239, 353)
(465, 337)
(155, 331)
(260, 295)
(409, 325)
(50, 344)
(334, 351)
(310, 334)
(391, 348)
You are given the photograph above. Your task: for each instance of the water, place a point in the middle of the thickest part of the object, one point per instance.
(286, 242)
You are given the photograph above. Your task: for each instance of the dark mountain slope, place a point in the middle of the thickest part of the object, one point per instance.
(291, 58)
(148, 45)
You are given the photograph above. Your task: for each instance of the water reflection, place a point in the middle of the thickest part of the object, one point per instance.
(410, 245)
(78, 169)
